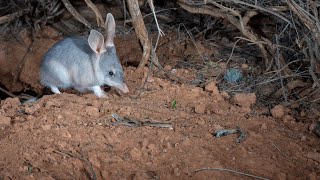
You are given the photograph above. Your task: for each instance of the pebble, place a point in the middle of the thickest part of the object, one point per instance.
(278, 111)
(32, 108)
(92, 111)
(10, 102)
(135, 153)
(212, 87)
(96, 104)
(200, 108)
(245, 99)
(4, 120)
(46, 127)
(314, 156)
(263, 126)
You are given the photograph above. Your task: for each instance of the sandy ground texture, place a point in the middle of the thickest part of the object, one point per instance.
(72, 136)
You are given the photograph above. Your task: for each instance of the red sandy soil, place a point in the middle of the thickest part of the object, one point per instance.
(71, 136)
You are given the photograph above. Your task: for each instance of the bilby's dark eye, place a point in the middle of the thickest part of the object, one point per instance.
(111, 73)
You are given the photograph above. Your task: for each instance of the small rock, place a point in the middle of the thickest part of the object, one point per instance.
(32, 108)
(10, 102)
(196, 91)
(314, 156)
(280, 176)
(225, 95)
(176, 171)
(153, 149)
(303, 113)
(135, 154)
(94, 160)
(263, 126)
(106, 174)
(201, 121)
(313, 176)
(50, 32)
(222, 65)
(200, 108)
(66, 134)
(288, 118)
(46, 127)
(225, 40)
(49, 104)
(62, 144)
(278, 111)
(183, 114)
(244, 66)
(315, 128)
(92, 111)
(244, 110)
(212, 87)
(245, 99)
(4, 120)
(96, 104)
(167, 67)
(140, 176)
(217, 127)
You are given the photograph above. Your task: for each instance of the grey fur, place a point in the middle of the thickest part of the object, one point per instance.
(72, 63)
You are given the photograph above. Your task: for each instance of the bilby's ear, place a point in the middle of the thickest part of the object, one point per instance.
(96, 42)
(111, 29)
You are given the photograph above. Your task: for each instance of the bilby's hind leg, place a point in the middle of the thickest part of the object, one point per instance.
(55, 90)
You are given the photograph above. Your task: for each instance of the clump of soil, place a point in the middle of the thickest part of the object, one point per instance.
(71, 136)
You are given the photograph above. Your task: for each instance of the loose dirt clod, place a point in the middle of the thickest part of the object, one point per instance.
(245, 99)
(278, 111)
(4, 120)
(73, 136)
(67, 122)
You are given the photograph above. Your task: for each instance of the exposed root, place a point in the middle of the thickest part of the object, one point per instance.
(99, 18)
(75, 13)
(140, 30)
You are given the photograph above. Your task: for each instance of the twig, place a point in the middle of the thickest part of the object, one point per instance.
(279, 74)
(160, 32)
(136, 123)
(262, 9)
(75, 13)
(7, 92)
(140, 30)
(232, 171)
(153, 56)
(193, 41)
(10, 17)
(94, 8)
(23, 60)
(94, 176)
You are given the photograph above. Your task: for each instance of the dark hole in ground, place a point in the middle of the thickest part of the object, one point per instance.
(131, 63)
(24, 93)
(3, 95)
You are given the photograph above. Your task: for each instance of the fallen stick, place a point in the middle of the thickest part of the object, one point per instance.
(94, 8)
(136, 123)
(75, 13)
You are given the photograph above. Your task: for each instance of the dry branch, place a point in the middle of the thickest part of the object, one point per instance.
(311, 23)
(140, 30)
(10, 17)
(94, 8)
(234, 16)
(75, 13)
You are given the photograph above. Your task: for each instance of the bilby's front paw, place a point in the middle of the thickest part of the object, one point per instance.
(98, 92)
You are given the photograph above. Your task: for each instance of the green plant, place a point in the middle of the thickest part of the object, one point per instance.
(233, 75)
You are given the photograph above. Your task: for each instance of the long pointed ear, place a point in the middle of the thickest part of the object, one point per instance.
(96, 42)
(111, 29)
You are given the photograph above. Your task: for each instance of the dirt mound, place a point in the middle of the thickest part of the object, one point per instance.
(71, 136)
